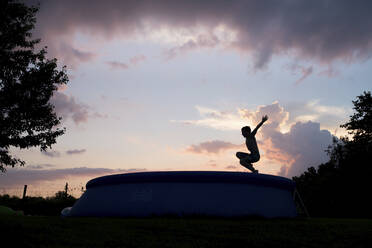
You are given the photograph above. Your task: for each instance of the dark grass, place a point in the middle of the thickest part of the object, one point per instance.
(34, 231)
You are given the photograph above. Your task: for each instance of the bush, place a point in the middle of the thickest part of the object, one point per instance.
(38, 205)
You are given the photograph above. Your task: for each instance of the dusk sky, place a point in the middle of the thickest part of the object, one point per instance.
(167, 85)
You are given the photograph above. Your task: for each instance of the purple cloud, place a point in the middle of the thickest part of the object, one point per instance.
(307, 29)
(202, 41)
(40, 166)
(68, 108)
(124, 66)
(75, 151)
(71, 55)
(303, 146)
(20, 176)
(52, 154)
(117, 65)
(305, 71)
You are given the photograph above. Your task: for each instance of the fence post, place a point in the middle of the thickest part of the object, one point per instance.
(24, 192)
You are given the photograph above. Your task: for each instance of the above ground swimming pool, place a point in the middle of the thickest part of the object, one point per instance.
(183, 193)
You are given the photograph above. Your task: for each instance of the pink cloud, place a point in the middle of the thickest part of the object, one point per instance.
(231, 167)
(211, 147)
(137, 59)
(301, 147)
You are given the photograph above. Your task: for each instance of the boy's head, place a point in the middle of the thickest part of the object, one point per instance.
(246, 131)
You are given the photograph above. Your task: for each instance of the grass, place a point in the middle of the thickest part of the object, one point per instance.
(39, 231)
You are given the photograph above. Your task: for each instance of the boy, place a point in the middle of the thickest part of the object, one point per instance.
(247, 159)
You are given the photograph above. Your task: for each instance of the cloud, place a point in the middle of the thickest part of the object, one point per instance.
(52, 154)
(221, 120)
(70, 55)
(137, 59)
(329, 116)
(117, 65)
(124, 66)
(20, 176)
(280, 117)
(212, 163)
(329, 72)
(75, 151)
(301, 147)
(62, 46)
(293, 144)
(314, 30)
(211, 147)
(201, 41)
(69, 108)
(39, 166)
(305, 71)
(231, 167)
(283, 171)
(277, 115)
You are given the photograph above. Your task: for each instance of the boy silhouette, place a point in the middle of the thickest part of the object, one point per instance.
(246, 159)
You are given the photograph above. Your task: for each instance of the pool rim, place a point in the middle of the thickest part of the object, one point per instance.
(225, 177)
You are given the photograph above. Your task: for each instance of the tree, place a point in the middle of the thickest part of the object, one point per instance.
(360, 124)
(342, 186)
(27, 82)
(357, 148)
(63, 194)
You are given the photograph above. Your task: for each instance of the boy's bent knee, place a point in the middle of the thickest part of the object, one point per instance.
(240, 155)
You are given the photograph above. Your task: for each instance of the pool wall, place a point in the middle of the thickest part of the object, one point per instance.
(187, 193)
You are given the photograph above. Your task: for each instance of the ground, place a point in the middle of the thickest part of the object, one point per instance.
(39, 231)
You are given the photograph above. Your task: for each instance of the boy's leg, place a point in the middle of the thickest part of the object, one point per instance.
(241, 155)
(247, 164)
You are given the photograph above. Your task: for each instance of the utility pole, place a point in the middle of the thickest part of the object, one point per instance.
(24, 192)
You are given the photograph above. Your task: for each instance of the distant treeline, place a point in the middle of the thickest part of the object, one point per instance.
(342, 187)
(39, 205)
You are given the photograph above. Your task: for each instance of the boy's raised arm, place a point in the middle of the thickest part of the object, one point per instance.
(264, 118)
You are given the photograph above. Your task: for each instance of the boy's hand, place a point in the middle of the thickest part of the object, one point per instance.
(264, 118)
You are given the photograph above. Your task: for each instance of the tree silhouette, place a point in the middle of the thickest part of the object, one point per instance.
(360, 124)
(27, 82)
(342, 186)
(358, 147)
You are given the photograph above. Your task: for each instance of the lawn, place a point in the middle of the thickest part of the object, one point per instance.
(39, 231)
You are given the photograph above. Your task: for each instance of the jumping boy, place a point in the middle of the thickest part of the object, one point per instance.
(247, 159)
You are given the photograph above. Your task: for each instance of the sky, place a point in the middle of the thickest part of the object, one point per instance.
(167, 85)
